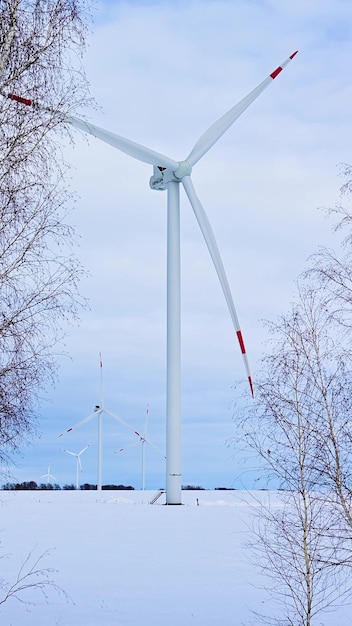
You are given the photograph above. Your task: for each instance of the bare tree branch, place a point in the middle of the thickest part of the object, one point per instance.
(31, 577)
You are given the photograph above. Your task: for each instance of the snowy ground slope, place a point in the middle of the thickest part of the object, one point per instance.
(125, 562)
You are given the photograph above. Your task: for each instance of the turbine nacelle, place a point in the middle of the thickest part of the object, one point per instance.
(162, 176)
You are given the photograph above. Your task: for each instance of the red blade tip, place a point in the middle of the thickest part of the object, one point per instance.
(279, 69)
(25, 101)
(240, 341)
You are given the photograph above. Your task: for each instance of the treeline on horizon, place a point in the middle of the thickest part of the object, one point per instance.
(33, 486)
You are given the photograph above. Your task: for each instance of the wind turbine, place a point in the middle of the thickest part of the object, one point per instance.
(78, 461)
(98, 411)
(142, 441)
(167, 175)
(48, 476)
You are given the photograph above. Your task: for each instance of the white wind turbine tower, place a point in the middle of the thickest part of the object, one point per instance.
(48, 476)
(98, 412)
(167, 175)
(77, 455)
(142, 441)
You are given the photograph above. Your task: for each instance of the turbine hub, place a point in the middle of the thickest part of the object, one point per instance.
(184, 169)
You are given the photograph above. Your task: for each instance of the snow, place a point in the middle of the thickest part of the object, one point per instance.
(120, 560)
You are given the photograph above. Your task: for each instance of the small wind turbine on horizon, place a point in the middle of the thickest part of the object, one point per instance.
(167, 175)
(142, 441)
(48, 476)
(98, 412)
(77, 455)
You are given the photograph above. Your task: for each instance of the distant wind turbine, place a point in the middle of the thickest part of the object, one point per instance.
(98, 412)
(142, 441)
(48, 476)
(77, 455)
(167, 175)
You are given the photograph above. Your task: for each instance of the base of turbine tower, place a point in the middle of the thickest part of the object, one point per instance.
(173, 489)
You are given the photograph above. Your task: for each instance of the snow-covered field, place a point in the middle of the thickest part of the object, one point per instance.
(123, 561)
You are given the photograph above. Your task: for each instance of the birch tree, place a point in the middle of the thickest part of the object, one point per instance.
(331, 274)
(41, 43)
(299, 425)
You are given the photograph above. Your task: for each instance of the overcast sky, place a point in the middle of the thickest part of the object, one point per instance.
(161, 73)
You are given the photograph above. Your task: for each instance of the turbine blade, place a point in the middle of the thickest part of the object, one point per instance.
(135, 150)
(71, 453)
(118, 419)
(146, 422)
(141, 440)
(208, 235)
(86, 419)
(217, 129)
(149, 443)
(84, 449)
(131, 445)
(101, 380)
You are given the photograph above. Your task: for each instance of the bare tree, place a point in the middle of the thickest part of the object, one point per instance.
(41, 42)
(332, 275)
(298, 426)
(31, 577)
(292, 544)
